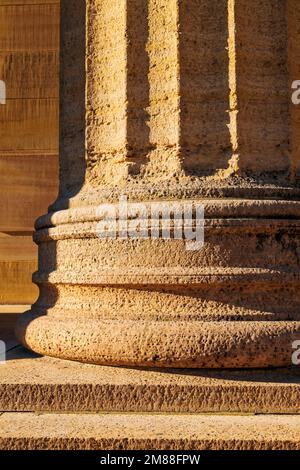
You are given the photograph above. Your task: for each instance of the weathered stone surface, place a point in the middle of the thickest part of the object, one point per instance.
(167, 113)
(32, 383)
(145, 431)
(293, 19)
(217, 307)
(59, 404)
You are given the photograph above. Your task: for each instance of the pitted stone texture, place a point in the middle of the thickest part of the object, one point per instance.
(260, 56)
(161, 343)
(293, 19)
(32, 383)
(233, 303)
(168, 99)
(134, 431)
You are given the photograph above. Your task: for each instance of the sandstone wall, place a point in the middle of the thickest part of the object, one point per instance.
(29, 57)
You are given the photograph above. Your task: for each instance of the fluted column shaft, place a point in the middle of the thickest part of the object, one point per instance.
(181, 101)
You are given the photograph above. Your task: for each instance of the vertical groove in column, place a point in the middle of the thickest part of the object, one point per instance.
(293, 19)
(164, 104)
(137, 87)
(204, 135)
(262, 86)
(72, 95)
(106, 63)
(233, 96)
(117, 89)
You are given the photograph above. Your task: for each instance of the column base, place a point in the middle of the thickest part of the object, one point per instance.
(232, 303)
(184, 344)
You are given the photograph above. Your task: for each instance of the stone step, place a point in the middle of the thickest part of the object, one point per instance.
(29, 382)
(48, 403)
(148, 431)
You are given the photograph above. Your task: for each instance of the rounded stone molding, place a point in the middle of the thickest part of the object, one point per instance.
(232, 303)
(182, 344)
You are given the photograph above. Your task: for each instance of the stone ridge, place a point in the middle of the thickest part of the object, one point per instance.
(148, 431)
(32, 383)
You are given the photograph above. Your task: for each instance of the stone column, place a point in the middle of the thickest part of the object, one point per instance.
(169, 100)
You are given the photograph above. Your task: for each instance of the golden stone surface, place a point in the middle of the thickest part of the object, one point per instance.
(161, 100)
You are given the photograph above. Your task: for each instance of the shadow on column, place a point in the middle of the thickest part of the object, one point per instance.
(204, 134)
(72, 96)
(72, 162)
(138, 132)
(263, 89)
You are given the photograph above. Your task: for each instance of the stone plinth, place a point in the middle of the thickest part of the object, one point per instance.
(160, 102)
(49, 403)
